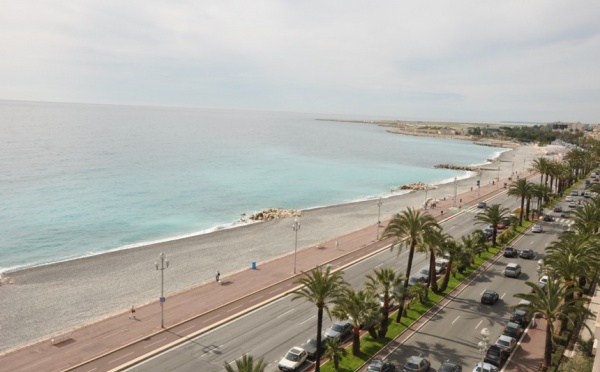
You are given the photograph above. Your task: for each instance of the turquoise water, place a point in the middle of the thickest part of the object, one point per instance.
(84, 179)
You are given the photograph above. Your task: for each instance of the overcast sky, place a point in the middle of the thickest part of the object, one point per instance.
(521, 60)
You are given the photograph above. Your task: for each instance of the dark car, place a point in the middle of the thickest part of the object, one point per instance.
(521, 317)
(495, 356)
(557, 209)
(527, 253)
(416, 364)
(548, 218)
(513, 330)
(449, 367)
(481, 205)
(418, 278)
(339, 330)
(378, 365)
(310, 346)
(510, 252)
(489, 297)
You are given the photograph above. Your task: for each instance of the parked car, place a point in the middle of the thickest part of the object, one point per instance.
(574, 193)
(521, 316)
(510, 252)
(481, 205)
(568, 199)
(513, 270)
(543, 281)
(378, 365)
(513, 330)
(495, 356)
(293, 359)
(450, 367)
(557, 209)
(506, 343)
(310, 346)
(489, 297)
(486, 368)
(440, 266)
(418, 278)
(537, 228)
(548, 218)
(527, 253)
(572, 205)
(339, 330)
(416, 364)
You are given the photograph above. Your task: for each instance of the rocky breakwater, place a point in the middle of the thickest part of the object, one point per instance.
(415, 186)
(273, 213)
(458, 167)
(5, 280)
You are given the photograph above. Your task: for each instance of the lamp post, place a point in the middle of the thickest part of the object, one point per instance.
(483, 344)
(479, 184)
(498, 178)
(454, 202)
(295, 227)
(164, 263)
(379, 203)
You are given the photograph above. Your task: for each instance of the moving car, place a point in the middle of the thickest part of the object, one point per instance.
(449, 367)
(495, 356)
(378, 365)
(557, 209)
(574, 193)
(565, 214)
(489, 297)
(293, 359)
(572, 205)
(416, 364)
(510, 252)
(513, 270)
(481, 205)
(486, 368)
(537, 228)
(548, 218)
(568, 199)
(527, 253)
(339, 330)
(506, 343)
(513, 330)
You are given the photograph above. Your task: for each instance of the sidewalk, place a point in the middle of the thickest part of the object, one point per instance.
(529, 355)
(95, 340)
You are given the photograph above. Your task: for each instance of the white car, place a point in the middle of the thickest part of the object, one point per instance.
(568, 199)
(543, 281)
(486, 368)
(293, 359)
(440, 266)
(506, 343)
(537, 228)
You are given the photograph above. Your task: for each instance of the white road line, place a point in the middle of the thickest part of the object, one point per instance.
(503, 294)
(124, 356)
(478, 324)
(454, 321)
(381, 264)
(211, 318)
(234, 308)
(308, 319)
(481, 294)
(274, 291)
(531, 243)
(155, 342)
(185, 329)
(259, 297)
(289, 311)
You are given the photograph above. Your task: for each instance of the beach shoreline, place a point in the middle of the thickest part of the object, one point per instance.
(63, 295)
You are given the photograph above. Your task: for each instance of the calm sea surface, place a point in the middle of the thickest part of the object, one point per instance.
(82, 179)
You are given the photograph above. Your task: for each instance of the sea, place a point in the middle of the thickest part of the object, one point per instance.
(83, 179)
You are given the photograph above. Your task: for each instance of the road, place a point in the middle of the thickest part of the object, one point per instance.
(271, 330)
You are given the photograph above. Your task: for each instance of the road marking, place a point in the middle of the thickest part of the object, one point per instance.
(504, 294)
(32, 365)
(454, 321)
(478, 324)
(308, 319)
(211, 318)
(155, 342)
(289, 311)
(531, 243)
(259, 297)
(274, 291)
(124, 356)
(481, 294)
(381, 264)
(185, 329)
(234, 308)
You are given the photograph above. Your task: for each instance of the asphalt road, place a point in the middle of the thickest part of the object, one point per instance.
(452, 334)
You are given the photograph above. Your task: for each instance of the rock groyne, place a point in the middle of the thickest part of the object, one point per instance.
(273, 213)
(415, 186)
(458, 167)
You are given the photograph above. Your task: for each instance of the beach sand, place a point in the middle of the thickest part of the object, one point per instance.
(47, 299)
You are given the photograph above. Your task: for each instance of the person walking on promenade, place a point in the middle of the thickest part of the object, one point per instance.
(132, 312)
(218, 276)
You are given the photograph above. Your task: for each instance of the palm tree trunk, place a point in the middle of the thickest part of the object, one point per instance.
(356, 341)
(494, 235)
(522, 210)
(548, 346)
(446, 277)
(432, 274)
(319, 331)
(527, 208)
(411, 254)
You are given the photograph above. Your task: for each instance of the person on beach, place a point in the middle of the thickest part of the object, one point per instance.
(218, 276)
(132, 313)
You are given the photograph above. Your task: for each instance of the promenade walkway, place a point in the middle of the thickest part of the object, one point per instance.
(93, 346)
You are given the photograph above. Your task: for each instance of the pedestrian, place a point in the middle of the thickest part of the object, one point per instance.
(442, 213)
(218, 276)
(132, 313)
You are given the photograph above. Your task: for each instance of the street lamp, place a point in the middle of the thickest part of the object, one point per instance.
(454, 202)
(164, 263)
(296, 227)
(483, 344)
(379, 203)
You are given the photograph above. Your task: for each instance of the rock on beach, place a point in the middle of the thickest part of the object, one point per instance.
(274, 213)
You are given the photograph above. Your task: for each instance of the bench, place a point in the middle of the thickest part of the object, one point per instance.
(61, 338)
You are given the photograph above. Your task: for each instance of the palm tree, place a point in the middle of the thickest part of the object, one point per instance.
(247, 364)
(409, 227)
(320, 287)
(453, 250)
(335, 351)
(432, 245)
(541, 165)
(551, 304)
(586, 220)
(520, 189)
(493, 215)
(357, 307)
(472, 245)
(384, 282)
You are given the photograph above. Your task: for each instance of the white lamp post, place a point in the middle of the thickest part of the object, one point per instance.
(454, 202)
(379, 203)
(483, 344)
(164, 263)
(296, 227)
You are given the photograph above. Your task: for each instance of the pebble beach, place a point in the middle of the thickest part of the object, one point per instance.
(45, 300)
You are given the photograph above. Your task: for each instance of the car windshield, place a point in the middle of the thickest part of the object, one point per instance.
(503, 343)
(312, 342)
(291, 356)
(411, 366)
(337, 327)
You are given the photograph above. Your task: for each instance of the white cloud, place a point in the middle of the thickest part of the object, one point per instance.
(459, 60)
